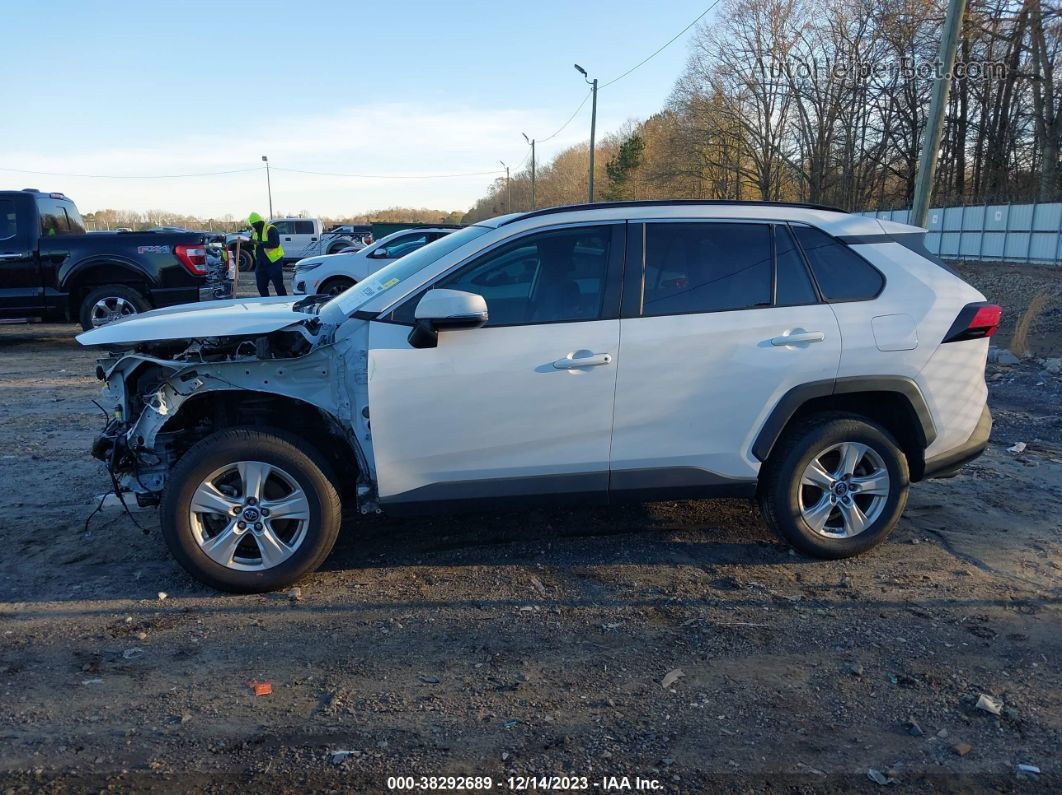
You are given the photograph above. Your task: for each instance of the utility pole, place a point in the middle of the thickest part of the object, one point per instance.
(532, 142)
(593, 128)
(927, 161)
(508, 190)
(269, 186)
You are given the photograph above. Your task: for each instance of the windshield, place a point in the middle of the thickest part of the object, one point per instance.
(393, 274)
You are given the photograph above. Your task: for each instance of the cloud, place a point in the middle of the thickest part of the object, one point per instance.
(373, 138)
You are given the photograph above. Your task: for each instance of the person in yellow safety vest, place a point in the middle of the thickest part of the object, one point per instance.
(268, 255)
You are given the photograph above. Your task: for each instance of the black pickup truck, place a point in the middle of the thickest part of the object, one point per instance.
(52, 269)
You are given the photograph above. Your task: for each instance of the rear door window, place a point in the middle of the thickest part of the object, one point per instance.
(303, 227)
(842, 275)
(793, 286)
(706, 267)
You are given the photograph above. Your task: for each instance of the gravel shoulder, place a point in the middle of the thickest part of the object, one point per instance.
(534, 643)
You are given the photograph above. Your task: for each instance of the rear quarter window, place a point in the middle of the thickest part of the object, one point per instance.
(842, 275)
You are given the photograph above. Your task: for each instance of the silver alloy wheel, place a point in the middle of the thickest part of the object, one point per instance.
(844, 490)
(249, 516)
(109, 309)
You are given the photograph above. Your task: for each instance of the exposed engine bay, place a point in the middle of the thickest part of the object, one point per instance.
(166, 395)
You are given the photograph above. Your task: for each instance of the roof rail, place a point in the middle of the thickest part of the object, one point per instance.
(668, 203)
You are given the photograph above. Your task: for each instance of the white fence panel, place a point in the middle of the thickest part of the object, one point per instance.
(1009, 232)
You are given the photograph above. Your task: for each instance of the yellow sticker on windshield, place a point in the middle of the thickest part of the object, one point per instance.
(389, 283)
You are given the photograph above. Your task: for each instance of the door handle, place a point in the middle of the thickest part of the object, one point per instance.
(570, 362)
(792, 339)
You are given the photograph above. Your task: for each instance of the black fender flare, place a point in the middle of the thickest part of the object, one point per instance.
(791, 401)
(73, 272)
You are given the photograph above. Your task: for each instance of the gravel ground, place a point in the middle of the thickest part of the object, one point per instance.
(678, 642)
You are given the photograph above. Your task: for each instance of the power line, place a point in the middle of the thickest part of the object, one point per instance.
(657, 52)
(638, 65)
(570, 119)
(390, 176)
(131, 176)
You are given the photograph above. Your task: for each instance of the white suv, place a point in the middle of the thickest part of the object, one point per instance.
(331, 274)
(817, 360)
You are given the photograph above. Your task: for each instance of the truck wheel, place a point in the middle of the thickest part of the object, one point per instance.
(336, 285)
(338, 246)
(246, 263)
(835, 486)
(106, 304)
(249, 511)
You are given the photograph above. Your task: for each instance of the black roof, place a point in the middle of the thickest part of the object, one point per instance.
(669, 203)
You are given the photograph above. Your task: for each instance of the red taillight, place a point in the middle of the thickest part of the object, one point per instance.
(975, 321)
(194, 259)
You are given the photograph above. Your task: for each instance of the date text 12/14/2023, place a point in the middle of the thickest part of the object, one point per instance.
(526, 783)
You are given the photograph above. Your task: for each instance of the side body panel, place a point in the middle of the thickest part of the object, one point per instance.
(487, 408)
(693, 390)
(926, 299)
(21, 280)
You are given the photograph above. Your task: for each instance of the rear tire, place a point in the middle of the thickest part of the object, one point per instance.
(290, 519)
(835, 485)
(106, 304)
(246, 263)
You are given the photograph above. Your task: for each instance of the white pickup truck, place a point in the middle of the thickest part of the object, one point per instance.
(305, 237)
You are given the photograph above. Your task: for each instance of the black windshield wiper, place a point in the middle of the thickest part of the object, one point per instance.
(310, 301)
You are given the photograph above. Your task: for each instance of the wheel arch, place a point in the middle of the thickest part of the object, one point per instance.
(218, 409)
(336, 277)
(86, 275)
(894, 402)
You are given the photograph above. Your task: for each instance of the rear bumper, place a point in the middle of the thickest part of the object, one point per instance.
(948, 464)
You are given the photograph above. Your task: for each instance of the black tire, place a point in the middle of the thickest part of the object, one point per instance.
(781, 490)
(279, 449)
(335, 248)
(112, 295)
(246, 262)
(336, 285)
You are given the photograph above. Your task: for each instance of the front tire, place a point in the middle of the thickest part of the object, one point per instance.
(249, 511)
(111, 302)
(835, 486)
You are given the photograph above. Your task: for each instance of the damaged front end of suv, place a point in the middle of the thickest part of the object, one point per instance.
(167, 388)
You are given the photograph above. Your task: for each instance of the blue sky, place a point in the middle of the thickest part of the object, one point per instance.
(401, 88)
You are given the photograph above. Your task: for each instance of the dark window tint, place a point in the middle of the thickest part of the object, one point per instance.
(59, 217)
(406, 244)
(53, 217)
(302, 227)
(793, 287)
(8, 227)
(549, 277)
(841, 273)
(706, 267)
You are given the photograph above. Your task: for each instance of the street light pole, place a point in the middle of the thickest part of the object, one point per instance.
(532, 142)
(508, 189)
(927, 160)
(269, 186)
(593, 129)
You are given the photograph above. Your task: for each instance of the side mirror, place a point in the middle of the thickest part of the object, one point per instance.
(380, 253)
(446, 310)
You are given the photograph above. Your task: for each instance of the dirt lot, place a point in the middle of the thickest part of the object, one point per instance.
(531, 644)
